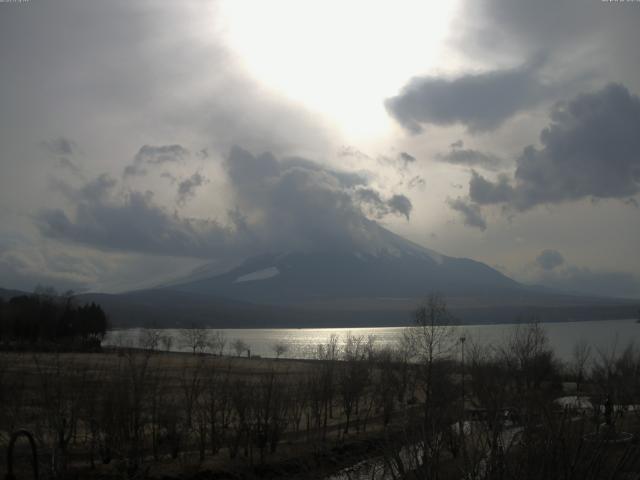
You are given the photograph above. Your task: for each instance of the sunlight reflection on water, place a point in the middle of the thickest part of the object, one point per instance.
(303, 342)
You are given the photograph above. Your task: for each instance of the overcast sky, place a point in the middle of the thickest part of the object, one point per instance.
(140, 140)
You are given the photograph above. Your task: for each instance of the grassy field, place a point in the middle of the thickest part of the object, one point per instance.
(177, 413)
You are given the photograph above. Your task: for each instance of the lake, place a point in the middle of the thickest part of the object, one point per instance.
(302, 343)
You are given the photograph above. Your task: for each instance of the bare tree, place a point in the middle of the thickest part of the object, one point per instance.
(530, 356)
(280, 349)
(532, 371)
(370, 346)
(270, 408)
(579, 358)
(300, 402)
(432, 340)
(353, 376)
(239, 346)
(432, 335)
(122, 341)
(217, 342)
(324, 386)
(132, 403)
(12, 392)
(402, 354)
(386, 384)
(149, 339)
(192, 388)
(62, 386)
(158, 388)
(167, 342)
(194, 338)
(490, 384)
(240, 401)
(615, 375)
(217, 403)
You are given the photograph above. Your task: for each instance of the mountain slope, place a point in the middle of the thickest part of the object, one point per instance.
(390, 267)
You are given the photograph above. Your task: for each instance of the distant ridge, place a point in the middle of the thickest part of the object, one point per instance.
(165, 308)
(7, 294)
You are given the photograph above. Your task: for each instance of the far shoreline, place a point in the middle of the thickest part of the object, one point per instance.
(367, 327)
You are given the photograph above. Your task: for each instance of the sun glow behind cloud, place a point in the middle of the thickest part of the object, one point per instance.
(340, 59)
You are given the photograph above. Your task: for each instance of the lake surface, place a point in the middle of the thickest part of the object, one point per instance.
(302, 343)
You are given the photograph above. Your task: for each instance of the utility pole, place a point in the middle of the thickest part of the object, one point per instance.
(462, 340)
(462, 418)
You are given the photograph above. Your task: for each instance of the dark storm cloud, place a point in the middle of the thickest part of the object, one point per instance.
(296, 205)
(485, 192)
(133, 170)
(108, 218)
(136, 223)
(471, 158)
(400, 204)
(402, 163)
(302, 204)
(280, 204)
(549, 259)
(59, 146)
(151, 154)
(480, 101)
(491, 26)
(379, 207)
(64, 162)
(373, 199)
(155, 155)
(471, 213)
(98, 189)
(94, 190)
(187, 187)
(169, 176)
(590, 149)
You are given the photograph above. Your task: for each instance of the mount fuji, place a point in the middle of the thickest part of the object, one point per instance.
(387, 267)
(375, 282)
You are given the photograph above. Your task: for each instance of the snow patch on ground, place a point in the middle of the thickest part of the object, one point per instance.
(574, 402)
(258, 275)
(583, 403)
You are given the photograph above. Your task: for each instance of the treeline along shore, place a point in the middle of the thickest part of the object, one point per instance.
(434, 406)
(48, 320)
